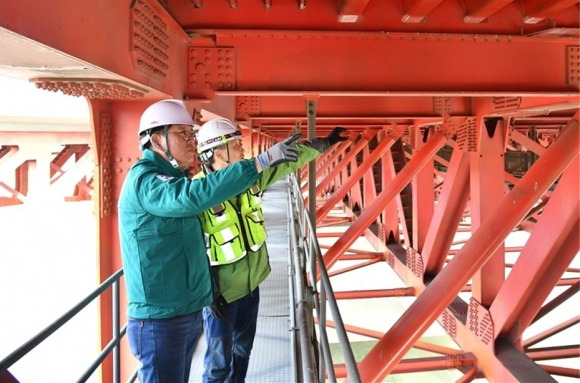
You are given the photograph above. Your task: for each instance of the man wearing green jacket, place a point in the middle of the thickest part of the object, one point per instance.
(166, 269)
(235, 239)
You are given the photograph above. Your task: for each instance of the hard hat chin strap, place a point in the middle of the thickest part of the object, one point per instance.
(228, 152)
(167, 152)
(205, 158)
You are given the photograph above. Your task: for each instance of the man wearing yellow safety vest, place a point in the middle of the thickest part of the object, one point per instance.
(235, 239)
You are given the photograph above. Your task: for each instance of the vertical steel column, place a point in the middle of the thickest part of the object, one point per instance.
(450, 208)
(487, 188)
(311, 114)
(369, 187)
(390, 214)
(116, 149)
(423, 197)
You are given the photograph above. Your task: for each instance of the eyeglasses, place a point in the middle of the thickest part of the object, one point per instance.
(187, 135)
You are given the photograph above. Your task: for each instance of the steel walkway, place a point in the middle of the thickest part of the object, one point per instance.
(271, 359)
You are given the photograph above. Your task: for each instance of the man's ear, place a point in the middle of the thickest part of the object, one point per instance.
(219, 153)
(156, 140)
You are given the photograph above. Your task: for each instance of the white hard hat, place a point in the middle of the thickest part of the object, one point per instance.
(164, 112)
(215, 133)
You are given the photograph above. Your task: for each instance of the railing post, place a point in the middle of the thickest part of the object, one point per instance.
(116, 334)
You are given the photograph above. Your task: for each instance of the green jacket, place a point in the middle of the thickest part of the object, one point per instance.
(164, 260)
(240, 278)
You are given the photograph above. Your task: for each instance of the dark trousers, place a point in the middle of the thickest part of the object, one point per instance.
(230, 341)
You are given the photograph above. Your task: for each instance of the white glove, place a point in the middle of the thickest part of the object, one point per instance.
(279, 153)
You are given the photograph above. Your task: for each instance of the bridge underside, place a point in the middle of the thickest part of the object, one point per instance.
(463, 121)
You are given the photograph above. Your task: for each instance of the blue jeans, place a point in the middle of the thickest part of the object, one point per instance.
(229, 342)
(164, 347)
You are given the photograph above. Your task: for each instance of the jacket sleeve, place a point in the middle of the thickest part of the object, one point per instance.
(271, 175)
(181, 197)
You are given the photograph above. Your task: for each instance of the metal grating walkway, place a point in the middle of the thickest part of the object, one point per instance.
(271, 359)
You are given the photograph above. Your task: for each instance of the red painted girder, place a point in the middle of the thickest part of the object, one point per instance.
(558, 300)
(560, 352)
(393, 212)
(481, 10)
(526, 142)
(16, 198)
(351, 11)
(116, 151)
(418, 10)
(448, 214)
(340, 153)
(432, 347)
(468, 376)
(348, 157)
(355, 109)
(513, 105)
(423, 198)
(356, 173)
(84, 30)
(552, 245)
(435, 363)
(363, 294)
(354, 267)
(332, 221)
(423, 364)
(418, 161)
(453, 319)
(486, 189)
(567, 281)
(516, 366)
(331, 161)
(280, 113)
(489, 63)
(353, 254)
(562, 371)
(558, 328)
(382, 359)
(368, 185)
(378, 15)
(420, 345)
(537, 10)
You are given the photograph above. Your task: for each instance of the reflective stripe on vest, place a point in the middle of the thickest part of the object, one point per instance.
(222, 228)
(222, 232)
(251, 211)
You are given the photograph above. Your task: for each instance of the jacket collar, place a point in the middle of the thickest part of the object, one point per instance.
(166, 167)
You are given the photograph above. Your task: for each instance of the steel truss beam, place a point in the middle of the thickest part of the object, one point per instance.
(524, 298)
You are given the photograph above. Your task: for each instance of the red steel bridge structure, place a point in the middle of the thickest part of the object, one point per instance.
(463, 115)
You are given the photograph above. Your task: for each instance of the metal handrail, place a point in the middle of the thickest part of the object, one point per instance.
(306, 258)
(113, 345)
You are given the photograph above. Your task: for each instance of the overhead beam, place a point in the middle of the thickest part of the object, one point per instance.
(377, 63)
(484, 9)
(538, 10)
(419, 10)
(351, 10)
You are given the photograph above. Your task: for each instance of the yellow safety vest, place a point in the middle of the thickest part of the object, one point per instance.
(230, 233)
